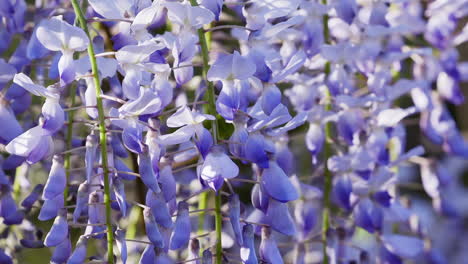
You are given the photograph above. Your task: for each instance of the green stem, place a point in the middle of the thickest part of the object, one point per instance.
(102, 132)
(219, 226)
(204, 44)
(327, 151)
(68, 141)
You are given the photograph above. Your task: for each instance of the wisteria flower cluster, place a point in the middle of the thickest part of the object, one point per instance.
(211, 131)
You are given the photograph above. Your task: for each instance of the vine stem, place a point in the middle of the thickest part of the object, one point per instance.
(204, 44)
(327, 151)
(102, 131)
(218, 226)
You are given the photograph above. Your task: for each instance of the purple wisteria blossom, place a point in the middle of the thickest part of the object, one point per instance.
(212, 131)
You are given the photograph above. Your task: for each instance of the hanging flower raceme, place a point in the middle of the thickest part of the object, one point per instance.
(314, 108)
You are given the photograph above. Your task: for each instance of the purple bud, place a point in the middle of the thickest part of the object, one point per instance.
(234, 217)
(119, 191)
(57, 180)
(152, 230)
(146, 170)
(51, 207)
(79, 254)
(148, 256)
(28, 202)
(168, 183)
(96, 214)
(315, 138)
(207, 257)
(269, 251)
(90, 155)
(247, 252)
(59, 230)
(182, 228)
(121, 244)
(62, 252)
(159, 208)
(82, 197)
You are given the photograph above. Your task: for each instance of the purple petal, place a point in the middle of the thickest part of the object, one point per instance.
(66, 67)
(279, 218)
(204, 140)
(277, 184)
(315, 138)
(342, 192)
(270, 98)
(255, 150)
(217, 165)
(260, 198)
(403, 246)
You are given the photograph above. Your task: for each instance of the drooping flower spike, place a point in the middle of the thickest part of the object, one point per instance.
(314, 108)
